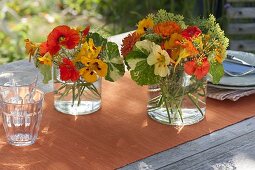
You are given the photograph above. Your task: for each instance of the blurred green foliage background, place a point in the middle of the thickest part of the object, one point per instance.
(34, 19)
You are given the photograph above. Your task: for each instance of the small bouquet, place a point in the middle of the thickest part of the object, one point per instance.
(79, 58)
(166, 52)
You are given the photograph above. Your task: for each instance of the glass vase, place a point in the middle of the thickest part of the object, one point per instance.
(179, 99)
(76, 98)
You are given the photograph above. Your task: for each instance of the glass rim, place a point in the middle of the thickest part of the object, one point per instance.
(35, 78)
(42, 94)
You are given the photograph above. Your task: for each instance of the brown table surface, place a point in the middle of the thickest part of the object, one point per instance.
(119, 133)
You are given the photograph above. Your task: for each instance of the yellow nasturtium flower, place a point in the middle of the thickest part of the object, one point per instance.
(46, 59)
(93, 69)
(88, 51)
(143, 25)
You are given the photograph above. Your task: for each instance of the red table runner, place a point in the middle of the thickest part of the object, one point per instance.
(116, 135)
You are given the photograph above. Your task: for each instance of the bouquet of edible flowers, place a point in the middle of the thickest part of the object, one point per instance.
(163, 42)
(80, 56)
(163, 48)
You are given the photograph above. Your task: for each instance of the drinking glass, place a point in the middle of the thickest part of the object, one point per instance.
(22, 117)
(21, 105)
(11, 82)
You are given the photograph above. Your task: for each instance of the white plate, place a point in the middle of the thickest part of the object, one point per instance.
(229, 82)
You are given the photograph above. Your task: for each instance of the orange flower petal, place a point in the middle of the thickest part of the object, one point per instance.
(166, 29)
(128, 43)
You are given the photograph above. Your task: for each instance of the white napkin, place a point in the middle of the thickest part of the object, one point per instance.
(222, 94)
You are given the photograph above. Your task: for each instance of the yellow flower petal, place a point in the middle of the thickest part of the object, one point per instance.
(88, 75)
(143, 25)
(46, 59)
(86, 61)
(93, 49)
(101, 68)
(93, 69)
(88, 52)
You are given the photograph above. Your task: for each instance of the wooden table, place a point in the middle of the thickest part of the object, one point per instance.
(229, 148)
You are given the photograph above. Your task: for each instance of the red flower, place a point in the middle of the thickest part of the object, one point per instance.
(62, 36)
(43, 48)
(197, 68)
(128, 43)
(191, 32)
(85, 31)
(68, 71)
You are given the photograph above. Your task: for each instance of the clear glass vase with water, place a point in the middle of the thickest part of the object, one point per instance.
(76, 98)
(178, 99)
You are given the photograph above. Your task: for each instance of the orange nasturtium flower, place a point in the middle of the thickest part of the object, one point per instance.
(128, 43)
(62, 36)
(143, 25)
(166, 29)
(30, 48)
(190, 48)
(172, 46)
(187, 49)
(198, 68)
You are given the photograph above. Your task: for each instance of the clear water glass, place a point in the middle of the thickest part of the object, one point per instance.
(11, 82)
(22, 116)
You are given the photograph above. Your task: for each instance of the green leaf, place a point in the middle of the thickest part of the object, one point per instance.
(134, 57)
(45, 70)
(162, 16)
(143, 74)
(216, 71)
(112, 58)
(97, 39)
(153, 37)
